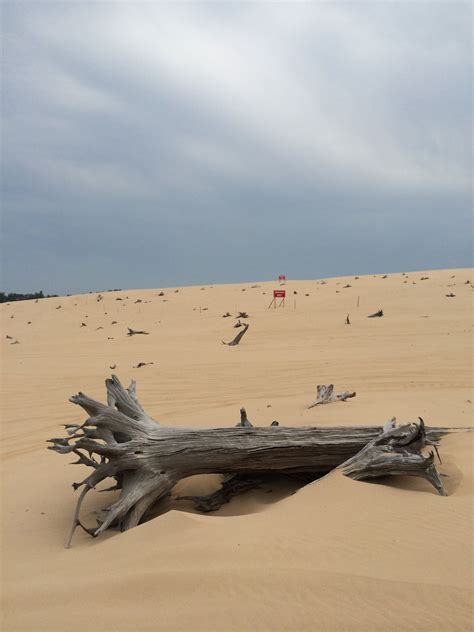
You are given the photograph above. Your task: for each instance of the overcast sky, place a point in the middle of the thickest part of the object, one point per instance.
(155, 144)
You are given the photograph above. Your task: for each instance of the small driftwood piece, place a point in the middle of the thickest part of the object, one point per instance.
(238, 337)
(348, 322)
(242, 315)
(134, 332)
(244, 421)
(378, 314)
(326, 395)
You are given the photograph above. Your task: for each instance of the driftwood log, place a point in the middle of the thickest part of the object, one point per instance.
(238, 337)
(120, 441)
(134, 332)
(326, 395)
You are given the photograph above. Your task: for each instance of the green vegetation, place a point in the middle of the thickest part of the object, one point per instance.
(15, 296)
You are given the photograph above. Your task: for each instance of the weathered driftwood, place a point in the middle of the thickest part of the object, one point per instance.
(326, 395)
(397, 451)
(120, 441)
(232, 485)
(378, 314)
(244, 421)
(238, 337)
(134, 332)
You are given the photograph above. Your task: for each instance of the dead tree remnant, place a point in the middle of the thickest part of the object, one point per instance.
(227, 315)
(238, 337)
(450, 295)
(140, 364)
(135, 332)
(119, 440)
(326, 395)
(242, 315)
(348, 322)
(378, 314)
(232, 485)
(244, 421)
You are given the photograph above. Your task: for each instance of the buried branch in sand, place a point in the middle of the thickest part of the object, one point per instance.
(134, 332)
(238, 337)
(326, 395)
(120, 441)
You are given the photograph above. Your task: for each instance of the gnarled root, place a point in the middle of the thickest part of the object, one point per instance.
(120, 441)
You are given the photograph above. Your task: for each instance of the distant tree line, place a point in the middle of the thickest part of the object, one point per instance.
(16, 296)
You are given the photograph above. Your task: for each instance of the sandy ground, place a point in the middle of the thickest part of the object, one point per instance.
(338, 554)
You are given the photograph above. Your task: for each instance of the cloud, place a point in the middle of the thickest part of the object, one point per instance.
(194, 114)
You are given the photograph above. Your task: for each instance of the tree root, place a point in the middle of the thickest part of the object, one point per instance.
(120, 441)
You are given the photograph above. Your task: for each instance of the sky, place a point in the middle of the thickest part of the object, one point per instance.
(163, 144)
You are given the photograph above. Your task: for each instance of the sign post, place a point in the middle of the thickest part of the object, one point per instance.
(278, 294)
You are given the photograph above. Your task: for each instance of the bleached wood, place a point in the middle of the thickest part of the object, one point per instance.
(326, 395)
(121, 441)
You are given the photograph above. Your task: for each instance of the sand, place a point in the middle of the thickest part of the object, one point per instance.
(338, 554)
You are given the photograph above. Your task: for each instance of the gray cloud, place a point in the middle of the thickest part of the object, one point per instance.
(152, 144)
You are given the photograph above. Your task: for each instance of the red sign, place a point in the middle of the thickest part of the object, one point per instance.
(279, 293)
(282, 277)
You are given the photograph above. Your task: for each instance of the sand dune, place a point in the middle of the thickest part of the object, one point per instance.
(338, 554)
